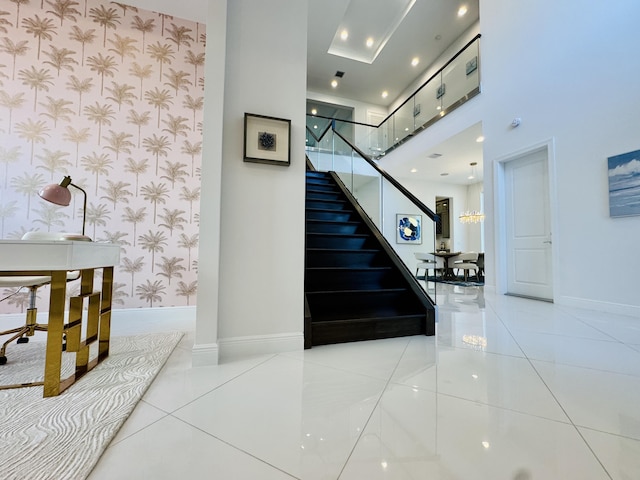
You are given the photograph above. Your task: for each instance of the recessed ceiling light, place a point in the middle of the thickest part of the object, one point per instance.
(480, 139)
(344, 34)
(334, 83)
(406, 129)
(415, 61)
(462, 11)
(315, 126)
(314, 111)
(385, 94)
(438, 107)
(369, 42)
(414, 170)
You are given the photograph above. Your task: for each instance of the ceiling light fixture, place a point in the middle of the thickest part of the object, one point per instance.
(414, 170)
(415, 61)
(472, 216)
(334, 83)
(480, 139)
(344, 34)
(314, 111)
(385, 94)
(462, 11)
(473, 170)
(369, 42)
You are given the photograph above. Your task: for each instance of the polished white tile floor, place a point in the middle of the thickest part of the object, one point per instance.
(509, 388)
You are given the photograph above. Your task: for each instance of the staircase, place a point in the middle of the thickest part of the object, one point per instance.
(356, 288)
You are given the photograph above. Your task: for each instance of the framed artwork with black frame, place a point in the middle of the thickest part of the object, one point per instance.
(408, 228)
(267, 140)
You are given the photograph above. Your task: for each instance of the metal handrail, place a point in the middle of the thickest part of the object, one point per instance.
(415, 200)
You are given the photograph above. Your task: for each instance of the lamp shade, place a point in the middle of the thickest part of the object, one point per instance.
(57, 194)
(60, 195)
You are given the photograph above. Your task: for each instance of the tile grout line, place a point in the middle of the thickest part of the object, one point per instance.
(571, 422)
(364, 427)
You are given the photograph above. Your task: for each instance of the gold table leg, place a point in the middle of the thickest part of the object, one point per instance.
(53, 359)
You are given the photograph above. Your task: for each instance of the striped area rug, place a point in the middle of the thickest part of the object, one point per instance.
(63, 437)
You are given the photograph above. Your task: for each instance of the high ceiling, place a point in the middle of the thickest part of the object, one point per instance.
(429, 28)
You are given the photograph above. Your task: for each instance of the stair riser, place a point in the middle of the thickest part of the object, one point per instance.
(341, 305)
(343, 259)
(314, 227)
(331, 216)
(316, 182)
(323, 195)
(343, 243)
(324, 280)
(341, 332)
(326, 204)
(325, 187)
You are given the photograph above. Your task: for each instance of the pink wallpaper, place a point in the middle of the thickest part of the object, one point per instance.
(112, 96)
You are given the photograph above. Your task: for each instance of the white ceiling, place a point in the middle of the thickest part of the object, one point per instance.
(456, 155)
(430, 27)
(391, 70)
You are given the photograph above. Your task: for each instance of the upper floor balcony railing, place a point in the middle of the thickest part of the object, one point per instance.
(455, 83)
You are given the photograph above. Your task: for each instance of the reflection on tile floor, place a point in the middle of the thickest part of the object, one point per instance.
(509, 388)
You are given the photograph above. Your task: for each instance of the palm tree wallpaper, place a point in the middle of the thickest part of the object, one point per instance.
(112, 96)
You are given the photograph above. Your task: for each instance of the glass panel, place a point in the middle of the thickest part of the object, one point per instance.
(461, 76)
(367, 189)
(407, 229)
(427, 105)
(382, 202)
(403, 122)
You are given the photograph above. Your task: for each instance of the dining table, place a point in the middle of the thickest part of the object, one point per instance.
(446, 255)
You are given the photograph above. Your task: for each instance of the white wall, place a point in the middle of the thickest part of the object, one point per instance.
(206, 342)
(569, 70)
(261, 287)
(427, 193)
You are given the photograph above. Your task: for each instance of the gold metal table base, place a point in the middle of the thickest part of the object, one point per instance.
(98, 328)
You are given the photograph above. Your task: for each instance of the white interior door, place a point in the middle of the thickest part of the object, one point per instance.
(528, 226)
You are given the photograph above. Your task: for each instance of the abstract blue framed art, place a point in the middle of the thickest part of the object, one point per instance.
(408, 228)
(624, 184)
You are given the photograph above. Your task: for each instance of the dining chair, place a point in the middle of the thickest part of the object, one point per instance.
(465, 261)
(28, 329)
(428, 261)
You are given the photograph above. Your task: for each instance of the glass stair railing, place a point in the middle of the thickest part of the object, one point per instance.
(400, 216)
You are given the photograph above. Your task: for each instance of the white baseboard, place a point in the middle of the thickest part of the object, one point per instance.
(205, 355)
(599, 306)
(234, 347)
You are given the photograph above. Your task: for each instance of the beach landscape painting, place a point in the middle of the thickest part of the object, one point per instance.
(624, 184)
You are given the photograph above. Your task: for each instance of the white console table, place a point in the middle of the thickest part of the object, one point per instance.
(55, 259)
